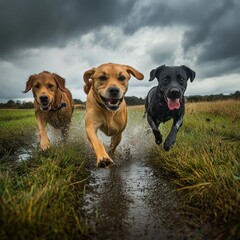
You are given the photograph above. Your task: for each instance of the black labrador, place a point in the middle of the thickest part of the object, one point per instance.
(166, 101)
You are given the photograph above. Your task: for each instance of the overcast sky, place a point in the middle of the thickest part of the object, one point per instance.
(69, 37)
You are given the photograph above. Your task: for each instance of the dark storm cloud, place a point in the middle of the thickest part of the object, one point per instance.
(166, 13)
(217, 36)
(211, 32)
(212, 29)
(27, 23)
(61, 36)
(211, 25)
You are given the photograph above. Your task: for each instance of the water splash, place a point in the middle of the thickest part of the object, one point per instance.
(130, 200)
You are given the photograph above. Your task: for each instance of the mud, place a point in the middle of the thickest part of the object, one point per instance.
(133, 200)
(31, 143)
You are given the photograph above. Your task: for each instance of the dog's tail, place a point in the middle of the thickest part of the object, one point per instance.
(87, 87)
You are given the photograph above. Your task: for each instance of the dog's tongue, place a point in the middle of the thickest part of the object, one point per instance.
(173, 103)
(113, 101)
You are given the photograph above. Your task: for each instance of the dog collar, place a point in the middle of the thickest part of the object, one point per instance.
(60, 106)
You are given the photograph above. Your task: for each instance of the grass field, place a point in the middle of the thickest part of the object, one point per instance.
(205, 163)
(40, 197)
(15, 125)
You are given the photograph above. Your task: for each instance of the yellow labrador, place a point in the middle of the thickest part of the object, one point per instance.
(106, 109)
(53, 104)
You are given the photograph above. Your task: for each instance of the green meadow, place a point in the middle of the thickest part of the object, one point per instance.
(205, 163)
(40, 196)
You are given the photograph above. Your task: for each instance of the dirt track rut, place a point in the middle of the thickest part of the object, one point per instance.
(132, 200)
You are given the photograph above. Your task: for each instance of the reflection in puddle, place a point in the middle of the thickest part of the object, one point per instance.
(130, 200)
(23, 155)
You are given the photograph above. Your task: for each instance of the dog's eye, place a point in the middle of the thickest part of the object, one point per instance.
(102, 78)
(121, 78)
(50, 85)
(165, 79)
(181, 79)
(37, 86)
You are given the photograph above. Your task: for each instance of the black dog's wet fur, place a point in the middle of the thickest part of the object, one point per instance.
(156, 104)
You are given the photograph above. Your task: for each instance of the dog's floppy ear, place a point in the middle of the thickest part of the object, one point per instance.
(190, 73)
(87, 79)
(29, 83)
(134, 72)
(60, 82)
(155, 72)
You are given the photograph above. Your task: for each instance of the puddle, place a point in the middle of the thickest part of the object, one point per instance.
(132, 200)
(23, 154)
(31, 144)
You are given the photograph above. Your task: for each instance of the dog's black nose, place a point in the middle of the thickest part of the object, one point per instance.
(113, 91)
(44, 99)
(175, 91)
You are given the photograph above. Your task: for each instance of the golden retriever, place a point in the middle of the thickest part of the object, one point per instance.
(53, 104)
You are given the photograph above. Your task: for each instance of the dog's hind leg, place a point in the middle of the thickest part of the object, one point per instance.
(115, 140)
(171, 138)
(154, 125)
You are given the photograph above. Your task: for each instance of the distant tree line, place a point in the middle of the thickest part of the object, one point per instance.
(213, 97)
(129, 100)
(134, 101)
(78, 101)
(26, 105)
(17, 105)
(196, 98)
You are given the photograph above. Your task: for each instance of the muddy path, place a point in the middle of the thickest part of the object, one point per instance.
(133, 200)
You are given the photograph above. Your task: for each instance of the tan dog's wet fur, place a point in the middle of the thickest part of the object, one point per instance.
(53, 104)
(106, 109)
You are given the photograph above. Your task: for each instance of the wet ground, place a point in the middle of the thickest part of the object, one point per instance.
(133, 200)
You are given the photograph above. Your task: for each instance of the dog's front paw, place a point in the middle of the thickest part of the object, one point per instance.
(168, 144)
(45, 145)
(158, 137)
(104, 162)
(158, 141)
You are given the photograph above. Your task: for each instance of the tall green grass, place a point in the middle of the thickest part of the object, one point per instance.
(16, 130)
(40, 197)
(205, 162)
